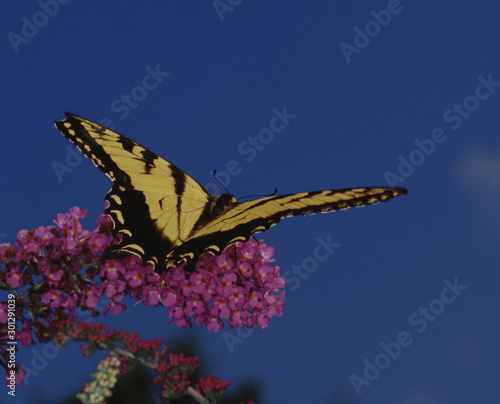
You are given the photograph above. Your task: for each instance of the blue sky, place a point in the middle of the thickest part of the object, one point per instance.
(399, 92)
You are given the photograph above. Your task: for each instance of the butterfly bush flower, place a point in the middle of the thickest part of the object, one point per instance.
(56, 272)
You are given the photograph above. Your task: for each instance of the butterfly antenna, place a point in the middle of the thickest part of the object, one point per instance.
(220, 183)
(259, 196)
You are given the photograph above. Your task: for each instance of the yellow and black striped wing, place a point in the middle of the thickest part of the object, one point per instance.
(166, 217)
(153, 204)
(243, 219)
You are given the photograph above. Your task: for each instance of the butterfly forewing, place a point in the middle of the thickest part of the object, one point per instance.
(153, 203)
(246, 218)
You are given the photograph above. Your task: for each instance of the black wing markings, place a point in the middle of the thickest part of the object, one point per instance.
(166, 217)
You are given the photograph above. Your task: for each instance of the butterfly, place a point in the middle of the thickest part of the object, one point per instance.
(167, 218)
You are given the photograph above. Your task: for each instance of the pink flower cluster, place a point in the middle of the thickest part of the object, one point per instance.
(239, 285)
(56, 270)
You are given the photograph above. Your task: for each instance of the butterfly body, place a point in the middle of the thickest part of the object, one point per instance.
(167, 218)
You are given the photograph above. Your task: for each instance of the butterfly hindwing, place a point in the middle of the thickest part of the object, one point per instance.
(132, 219)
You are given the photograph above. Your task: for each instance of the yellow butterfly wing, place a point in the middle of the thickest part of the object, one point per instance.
(153, 204)
(241, 220)
(166, 217)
